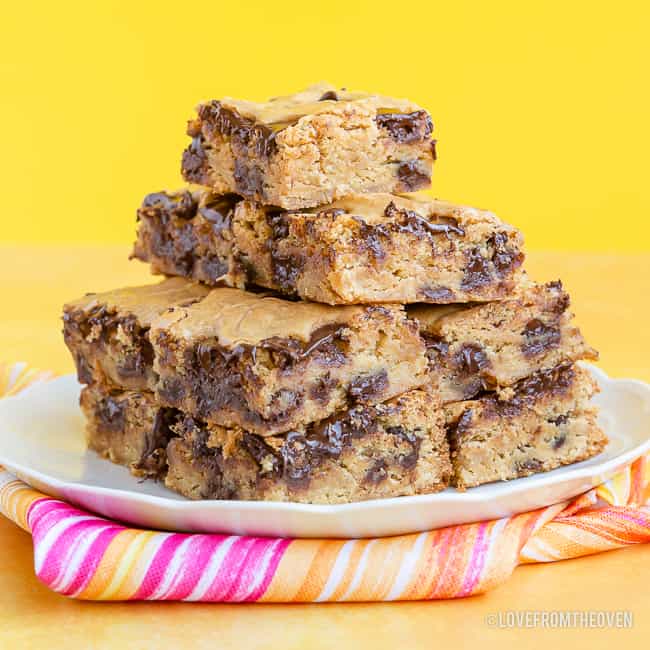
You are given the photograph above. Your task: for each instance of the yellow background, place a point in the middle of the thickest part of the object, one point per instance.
(541, 108)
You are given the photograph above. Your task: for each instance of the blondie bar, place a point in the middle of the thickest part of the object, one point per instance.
(368, 452)
(472, 348)
(376, 248)
(269, 365)
(232, 357)
(386, 450)
(310, 148)
(542, 422)
(108, 333)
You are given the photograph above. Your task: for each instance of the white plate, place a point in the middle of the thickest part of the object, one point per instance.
(42, 442)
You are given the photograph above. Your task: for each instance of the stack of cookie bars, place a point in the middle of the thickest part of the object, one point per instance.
(324, 334)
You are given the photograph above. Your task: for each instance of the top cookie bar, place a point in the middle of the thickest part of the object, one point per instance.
(310, 148)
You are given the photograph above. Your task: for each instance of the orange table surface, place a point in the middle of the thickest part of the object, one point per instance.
(610, 297)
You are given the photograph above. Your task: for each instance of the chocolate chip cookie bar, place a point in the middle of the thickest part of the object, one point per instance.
(232, 357)
(310, 148)
(364, 249)
(542, 422)
(108, 333)
(368, 452)
(385, 450)
(473, 348)
(128, 428)
(269, 365)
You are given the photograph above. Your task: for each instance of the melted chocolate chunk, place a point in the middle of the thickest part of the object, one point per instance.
(405, 127)
(411, 222)
(286, 269)
(330, 212)
(440, 295)
(321, 390)
(302, 453)
(249, 177)
(437, 349)
(412, 442)
(366, 388)
(194, 162)
(371, 238)
(244, 132)
(377, 472)
(411, 178)
(558, 441)
(471, 359)
(504, 258)
(539, 337)
(562, 299)
(529, 466)
(218, 211)
(560, 420)
(181, 205)
(477, 271)
(329, 95)
(153, 458)
(553, 380)
(263, 454)
(111, 414)
(456, 430)
(135, 358)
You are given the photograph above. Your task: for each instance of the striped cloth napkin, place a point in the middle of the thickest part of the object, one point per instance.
(84, 556)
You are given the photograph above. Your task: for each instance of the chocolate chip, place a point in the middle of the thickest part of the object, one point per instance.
(263, 454)
(504, 258)
(458, 428)
(439, 295)
(176, 204)
(471, 359)
(153, 457)
(244, 132)
(329, 95)
(111, 414)
(302, 453)
(406, 127)
(437, 349)
(249, 178)
(562, 300)
(539, 337)
(194, 162)
(558, 440)
(377, 472)
(411, 177)
(553, 380)
(529, 466)
(560, 420)
(371, 237)
(321, 389)
(218, 211)
(286, 272)
(477, 271)
(366, 388)
(411, 222)
(409, 459)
